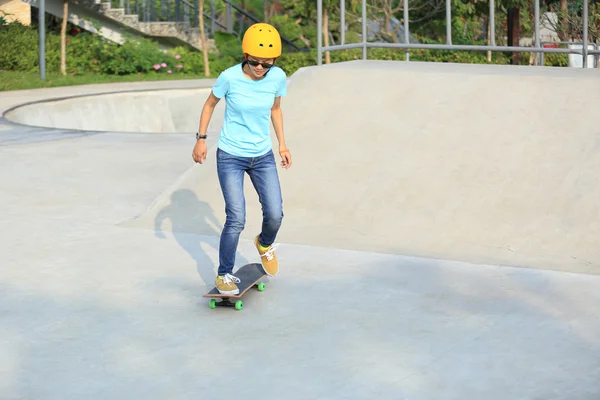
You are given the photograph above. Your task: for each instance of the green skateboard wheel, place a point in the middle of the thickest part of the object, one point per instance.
(239, 305)
(261, 286)
(212, 303)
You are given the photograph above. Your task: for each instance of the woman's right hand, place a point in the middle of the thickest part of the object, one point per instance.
(199, 153)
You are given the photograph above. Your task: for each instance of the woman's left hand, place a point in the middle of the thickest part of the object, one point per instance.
(286, 158)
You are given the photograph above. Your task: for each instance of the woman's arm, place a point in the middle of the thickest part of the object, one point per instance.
(277, 120)
(199, 152)
(207, 111)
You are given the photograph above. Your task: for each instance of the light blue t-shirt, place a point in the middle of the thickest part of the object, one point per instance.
(246, 125)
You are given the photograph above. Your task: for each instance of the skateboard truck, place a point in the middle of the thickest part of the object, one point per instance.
(226, 303)
(238, 305)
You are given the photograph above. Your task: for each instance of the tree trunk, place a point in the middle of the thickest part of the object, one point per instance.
(63, 38)
(326, 35)
(513, 21)
(489, 39)
(203, 39)
(386, 24)
(243, 17)
(564, 21)
(266, 11)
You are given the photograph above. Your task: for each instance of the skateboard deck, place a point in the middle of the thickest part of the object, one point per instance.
(250, 276)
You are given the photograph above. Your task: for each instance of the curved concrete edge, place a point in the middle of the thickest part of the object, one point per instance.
(113, 101)
(13, 98)
(462, 68)
(40, 96)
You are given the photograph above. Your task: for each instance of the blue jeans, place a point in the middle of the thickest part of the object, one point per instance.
(263, 174)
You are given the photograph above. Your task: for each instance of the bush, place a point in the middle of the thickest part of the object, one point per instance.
(554, 60)
(89, 53)
(130, 58)
(19, 48)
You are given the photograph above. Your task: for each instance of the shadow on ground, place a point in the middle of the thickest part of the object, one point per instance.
(178, 213)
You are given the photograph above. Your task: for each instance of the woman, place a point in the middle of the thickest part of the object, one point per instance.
(253, 91)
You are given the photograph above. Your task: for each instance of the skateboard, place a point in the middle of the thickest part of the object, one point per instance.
(249, 275)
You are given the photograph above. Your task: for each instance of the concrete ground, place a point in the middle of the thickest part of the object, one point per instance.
(434, 246)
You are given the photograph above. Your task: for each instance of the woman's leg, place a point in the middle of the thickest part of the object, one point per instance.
(230, 170)
(265, 179)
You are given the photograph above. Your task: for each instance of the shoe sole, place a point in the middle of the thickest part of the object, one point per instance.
(229, 292)
(269, 274)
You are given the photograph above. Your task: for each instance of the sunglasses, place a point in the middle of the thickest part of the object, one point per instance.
(255, 63)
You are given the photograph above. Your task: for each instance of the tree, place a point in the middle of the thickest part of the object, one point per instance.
(564, 10)
(327, 6)
(569, 24)
(297, 21)
(511, 9)
(203, 39)
(266, 11)
(513, 25)
(326, 35)
(419, 10)
(63, 38)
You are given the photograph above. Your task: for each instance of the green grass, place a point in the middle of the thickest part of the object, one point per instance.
(13, 80)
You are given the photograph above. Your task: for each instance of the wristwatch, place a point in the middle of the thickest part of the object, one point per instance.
(199, 136)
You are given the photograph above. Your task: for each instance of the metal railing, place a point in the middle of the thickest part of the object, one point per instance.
(236, 19)
(364, 44)
(595, 52)
(185, 11)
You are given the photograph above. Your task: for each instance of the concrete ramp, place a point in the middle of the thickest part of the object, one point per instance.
(484, 164)
(157, 111)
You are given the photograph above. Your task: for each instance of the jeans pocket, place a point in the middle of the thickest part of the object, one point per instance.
(221, 155)
(224, 155)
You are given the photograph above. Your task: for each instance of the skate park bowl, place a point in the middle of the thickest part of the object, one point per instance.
(157, 111)
(476, 163)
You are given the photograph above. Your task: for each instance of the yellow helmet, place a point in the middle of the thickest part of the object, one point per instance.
(262, 40)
